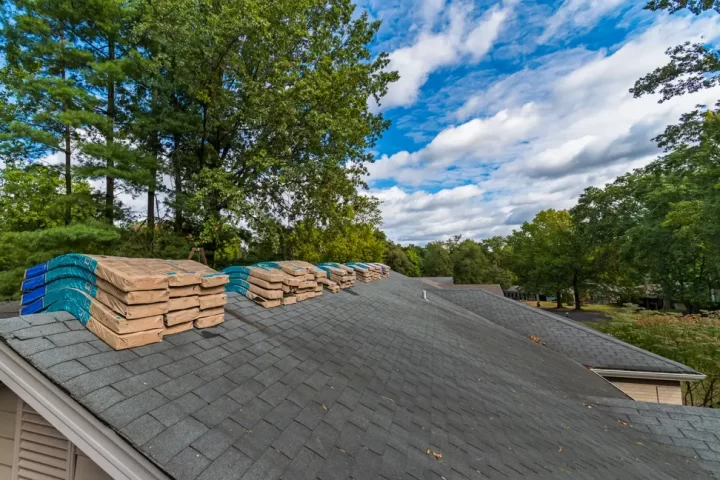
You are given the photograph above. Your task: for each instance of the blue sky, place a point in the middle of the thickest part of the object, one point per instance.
(508, 107)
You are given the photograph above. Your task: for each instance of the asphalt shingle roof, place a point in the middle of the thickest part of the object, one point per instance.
(359, 384)
(690, 432)
(585, 345)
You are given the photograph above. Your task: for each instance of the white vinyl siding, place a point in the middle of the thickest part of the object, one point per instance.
(32, 449)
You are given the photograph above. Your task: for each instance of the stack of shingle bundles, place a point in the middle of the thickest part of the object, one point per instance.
(183, 289)
(341, 275)
(363, 272)
(384, 270)
(329, 285)
(262, 285)
(210, 292)
(121, 300)
(298, 281)
(314, 274)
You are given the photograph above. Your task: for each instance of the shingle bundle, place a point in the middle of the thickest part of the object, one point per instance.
(210, 292)
(341, 275)
(262, 285)
(365, 272)
(299, 280)
(127, 302)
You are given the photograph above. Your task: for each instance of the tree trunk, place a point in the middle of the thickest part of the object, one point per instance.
(559, 300)
(68, 171)
(576, 292)
(153, 174)
(109, 179)
(68, 176)
(68, 157)
(177, 171)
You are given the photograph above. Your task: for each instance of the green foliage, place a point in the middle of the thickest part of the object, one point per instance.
(695, 6)
(25, 249)
(396, 258)
(436, 260)
(691, 340)
(31, 198)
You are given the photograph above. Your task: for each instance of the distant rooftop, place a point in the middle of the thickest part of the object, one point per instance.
(585, 345)
(448, 282)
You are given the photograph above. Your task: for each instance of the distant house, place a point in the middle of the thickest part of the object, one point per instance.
(516, 293)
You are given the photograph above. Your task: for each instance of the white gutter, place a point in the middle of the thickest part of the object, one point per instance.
(682, 377)
(103, 445)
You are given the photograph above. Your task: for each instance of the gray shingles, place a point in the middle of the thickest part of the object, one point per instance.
(102, 398)
(143, 429)
(257, 439)
(180, 386)
(187, 465)
(40, 331)
(9, 325)
(54, 356)
(219, 438)
(71, 338)
(101, 360)
(173, 440)
(217, 411)
(140, 383)
(181, 367)
(231, 464)
(67, 370)
(215, 389)
(581, 343)
(149, 362)
(128, 410)
(91, 381)
(383, 376)
(31, 346)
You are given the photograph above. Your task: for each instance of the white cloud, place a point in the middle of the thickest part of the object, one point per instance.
(430, 51)
(577, 14)
(566, 127)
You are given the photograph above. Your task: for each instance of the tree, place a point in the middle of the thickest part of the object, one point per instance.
(42, 80)
(273, 96)
(692, 67)
(31, 198)
(397, 260)
(436, 260)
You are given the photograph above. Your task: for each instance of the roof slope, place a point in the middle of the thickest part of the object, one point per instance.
(585, 345)
(448, 282)
(691, 432)
(360, 384)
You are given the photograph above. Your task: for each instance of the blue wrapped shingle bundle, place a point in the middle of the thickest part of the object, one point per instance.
(364, 272)
(121, 300)
(261, 283)
(338, 273)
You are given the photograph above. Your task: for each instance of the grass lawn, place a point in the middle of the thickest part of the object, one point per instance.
(587, 308)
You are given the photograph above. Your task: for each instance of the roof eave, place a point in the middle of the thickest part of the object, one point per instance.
(642, 375)
(103, 445)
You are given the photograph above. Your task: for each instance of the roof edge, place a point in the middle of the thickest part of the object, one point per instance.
(642, 375)
(100, 443)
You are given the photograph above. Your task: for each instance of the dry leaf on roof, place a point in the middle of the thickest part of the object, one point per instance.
(536, 340)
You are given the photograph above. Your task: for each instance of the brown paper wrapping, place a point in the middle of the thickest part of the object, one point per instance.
(121, 342)
(181, 316)
(210, 321)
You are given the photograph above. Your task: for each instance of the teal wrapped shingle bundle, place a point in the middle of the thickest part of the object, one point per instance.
(122, 300)
(260, 283)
